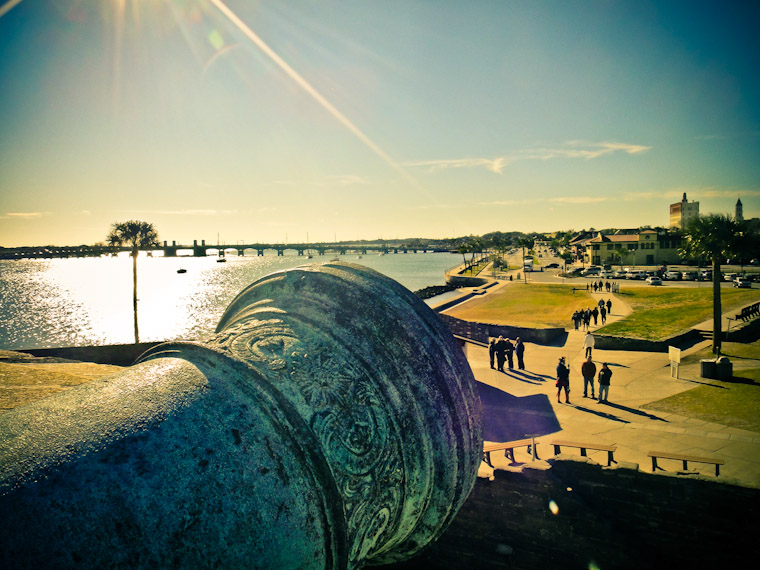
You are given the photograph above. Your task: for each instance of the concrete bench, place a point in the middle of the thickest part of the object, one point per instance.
(685, 458)
(610, 449)
(508, 447)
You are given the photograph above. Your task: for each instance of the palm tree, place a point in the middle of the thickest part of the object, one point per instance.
(137, 235)
(622, 254)
(714, 237)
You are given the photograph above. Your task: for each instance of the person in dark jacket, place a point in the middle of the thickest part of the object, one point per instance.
(588, 371)
(563, 380)
(604, 382)
(492, 350)
(501, 354)
(520, 352)
(510, 349)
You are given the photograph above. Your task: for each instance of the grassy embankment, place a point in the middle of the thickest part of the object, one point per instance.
(537, 305)
(662, 312)
(657, 312)
(734, 402)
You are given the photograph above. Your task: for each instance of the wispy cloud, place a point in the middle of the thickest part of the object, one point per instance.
(25, 215)
(692, 194)
(568, 150)
(717, 193)
(185, 212)
(330, 181)
(346, 180)
(579, 199)
(493, 164)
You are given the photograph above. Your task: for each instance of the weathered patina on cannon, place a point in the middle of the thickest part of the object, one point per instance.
(330, 422)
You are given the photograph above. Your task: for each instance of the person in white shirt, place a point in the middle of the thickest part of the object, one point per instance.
(588, 344)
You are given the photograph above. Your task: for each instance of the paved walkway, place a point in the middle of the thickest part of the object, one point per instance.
(638, 379)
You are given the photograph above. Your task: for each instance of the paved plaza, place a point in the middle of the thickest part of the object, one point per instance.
(638, 379)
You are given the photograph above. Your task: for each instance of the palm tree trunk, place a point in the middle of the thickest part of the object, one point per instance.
(134, 291)
(717, 313)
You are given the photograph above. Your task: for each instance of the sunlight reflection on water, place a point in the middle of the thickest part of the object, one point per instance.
(82, 301)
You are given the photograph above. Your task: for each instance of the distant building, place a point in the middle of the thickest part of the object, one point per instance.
(739, 210)
(645, 247)
(682, 212)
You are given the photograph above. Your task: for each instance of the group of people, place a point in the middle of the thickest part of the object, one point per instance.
(502, 350)
(582, 317)
(588, 371)
(602, 286)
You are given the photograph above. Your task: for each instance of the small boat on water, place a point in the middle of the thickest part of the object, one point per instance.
(181, 270)
(335, 259)
(222, 260)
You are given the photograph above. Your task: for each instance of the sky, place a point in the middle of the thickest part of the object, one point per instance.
(242, 121)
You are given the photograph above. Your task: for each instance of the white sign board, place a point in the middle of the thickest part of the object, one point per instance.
(675, 360)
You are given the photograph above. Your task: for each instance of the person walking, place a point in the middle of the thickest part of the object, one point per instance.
(563, 380)
(576, 319)
(595, 314)
(604, 382)
(588, 344)
(609, 306)
(588, 371)
(520, 352)
(587, 318)
(603, 314)
(492, 350)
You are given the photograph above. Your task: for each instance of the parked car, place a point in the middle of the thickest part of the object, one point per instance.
(730, 276)
(617, 274)
(673, 275)
(552, 265)
(653, 280)
(636, 274)
(742, 283)
(690, 276)
(605, 274)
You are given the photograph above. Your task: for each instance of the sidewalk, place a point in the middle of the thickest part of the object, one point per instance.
(638, 378)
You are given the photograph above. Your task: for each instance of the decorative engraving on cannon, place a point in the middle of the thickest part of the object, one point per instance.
(330, 422)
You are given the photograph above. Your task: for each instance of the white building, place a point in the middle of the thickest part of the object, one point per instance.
(682, 212)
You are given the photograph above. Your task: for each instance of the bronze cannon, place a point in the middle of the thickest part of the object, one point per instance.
(330, 422)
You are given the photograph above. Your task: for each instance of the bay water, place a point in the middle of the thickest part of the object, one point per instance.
(88, 301)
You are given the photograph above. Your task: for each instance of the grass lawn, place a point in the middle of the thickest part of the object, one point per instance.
(733, 403)
(662, 312)
(658, 312)
(533, 305)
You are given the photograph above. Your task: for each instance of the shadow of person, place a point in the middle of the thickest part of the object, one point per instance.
(635, 411)
(520, 377)
(534, 375)
(601, 414)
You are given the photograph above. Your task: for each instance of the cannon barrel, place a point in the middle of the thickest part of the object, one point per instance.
(331, 421)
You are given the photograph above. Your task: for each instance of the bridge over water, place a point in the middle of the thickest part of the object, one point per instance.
(202, 249)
